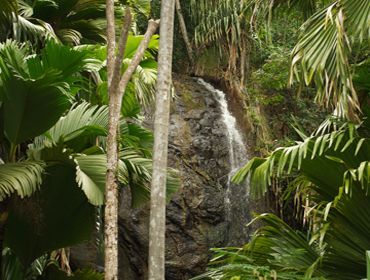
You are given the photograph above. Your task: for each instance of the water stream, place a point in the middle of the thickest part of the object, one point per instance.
(236, 196)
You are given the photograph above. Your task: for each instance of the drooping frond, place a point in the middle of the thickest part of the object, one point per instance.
(218, 20)
(90, 176)
(22, 178)
(223, 29)
(360, 175)
(72, 23)
(322, 55)
(332, 152)
(276, 251)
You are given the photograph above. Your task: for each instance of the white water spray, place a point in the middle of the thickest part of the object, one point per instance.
(236, 197)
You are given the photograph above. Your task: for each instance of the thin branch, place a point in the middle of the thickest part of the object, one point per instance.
(121, 48)
(126, 76)
(184, 32)
(111, 38)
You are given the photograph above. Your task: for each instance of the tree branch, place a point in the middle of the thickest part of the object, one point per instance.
(121, 49)
(184, 32)
(111, 38)
(126, 76)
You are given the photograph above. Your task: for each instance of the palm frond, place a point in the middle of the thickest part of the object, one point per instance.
(133, 43)
(22, 178)
(138, 172)
(360, 175)
(283, 246)
(29, 29)
(136, 136)
(346, 235)
(48, 77)
(75, 22)
(82, 119)
(323, 53)
(9, 6)
(276, 251)
(333, 152)
(334, 172)
(90, 176)
(134, 172)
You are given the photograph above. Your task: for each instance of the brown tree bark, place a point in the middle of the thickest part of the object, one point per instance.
(117, 84)
(184, 32)
(161, 124)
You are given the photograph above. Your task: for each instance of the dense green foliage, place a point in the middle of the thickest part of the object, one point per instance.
(328, 171)
(280, 55)
(53, 128)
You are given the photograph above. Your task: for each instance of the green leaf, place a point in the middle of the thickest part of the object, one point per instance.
(82, 120)
(22, 121)
(23, 178)
(25, 87)
(58, 216)
(90, 176)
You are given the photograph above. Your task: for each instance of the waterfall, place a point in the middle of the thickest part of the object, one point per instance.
(236, 196)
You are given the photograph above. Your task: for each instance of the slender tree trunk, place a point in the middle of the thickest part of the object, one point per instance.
(184, 32)
(111, 38)
(116, 87)
(161, 123)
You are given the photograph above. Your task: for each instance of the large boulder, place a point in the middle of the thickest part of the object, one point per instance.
(198, 148)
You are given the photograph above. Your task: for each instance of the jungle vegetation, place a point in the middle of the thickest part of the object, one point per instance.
(326, 171)
(282, 53)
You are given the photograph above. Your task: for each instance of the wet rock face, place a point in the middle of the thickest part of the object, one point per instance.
(198, 148)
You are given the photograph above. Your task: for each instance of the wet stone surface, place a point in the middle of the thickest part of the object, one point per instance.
(196, 218)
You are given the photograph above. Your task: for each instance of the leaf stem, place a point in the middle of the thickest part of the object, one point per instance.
(12, 152)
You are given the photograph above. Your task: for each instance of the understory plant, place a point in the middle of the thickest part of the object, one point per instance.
(53, 158)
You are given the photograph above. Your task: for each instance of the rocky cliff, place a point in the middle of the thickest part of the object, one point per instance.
(196, 215)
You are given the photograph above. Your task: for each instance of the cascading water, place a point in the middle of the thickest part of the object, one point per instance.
(236, 196)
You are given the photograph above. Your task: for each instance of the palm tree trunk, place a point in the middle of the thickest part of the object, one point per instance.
(184, 32)
(161, 124)
(116, 87)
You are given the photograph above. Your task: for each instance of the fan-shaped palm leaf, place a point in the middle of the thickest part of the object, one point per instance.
(23, 178)
(68, 21)
(48, 78)
(134, 171)
(55, 217)
(81, 119)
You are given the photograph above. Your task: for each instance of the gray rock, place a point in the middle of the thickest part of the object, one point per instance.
(196, 214)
